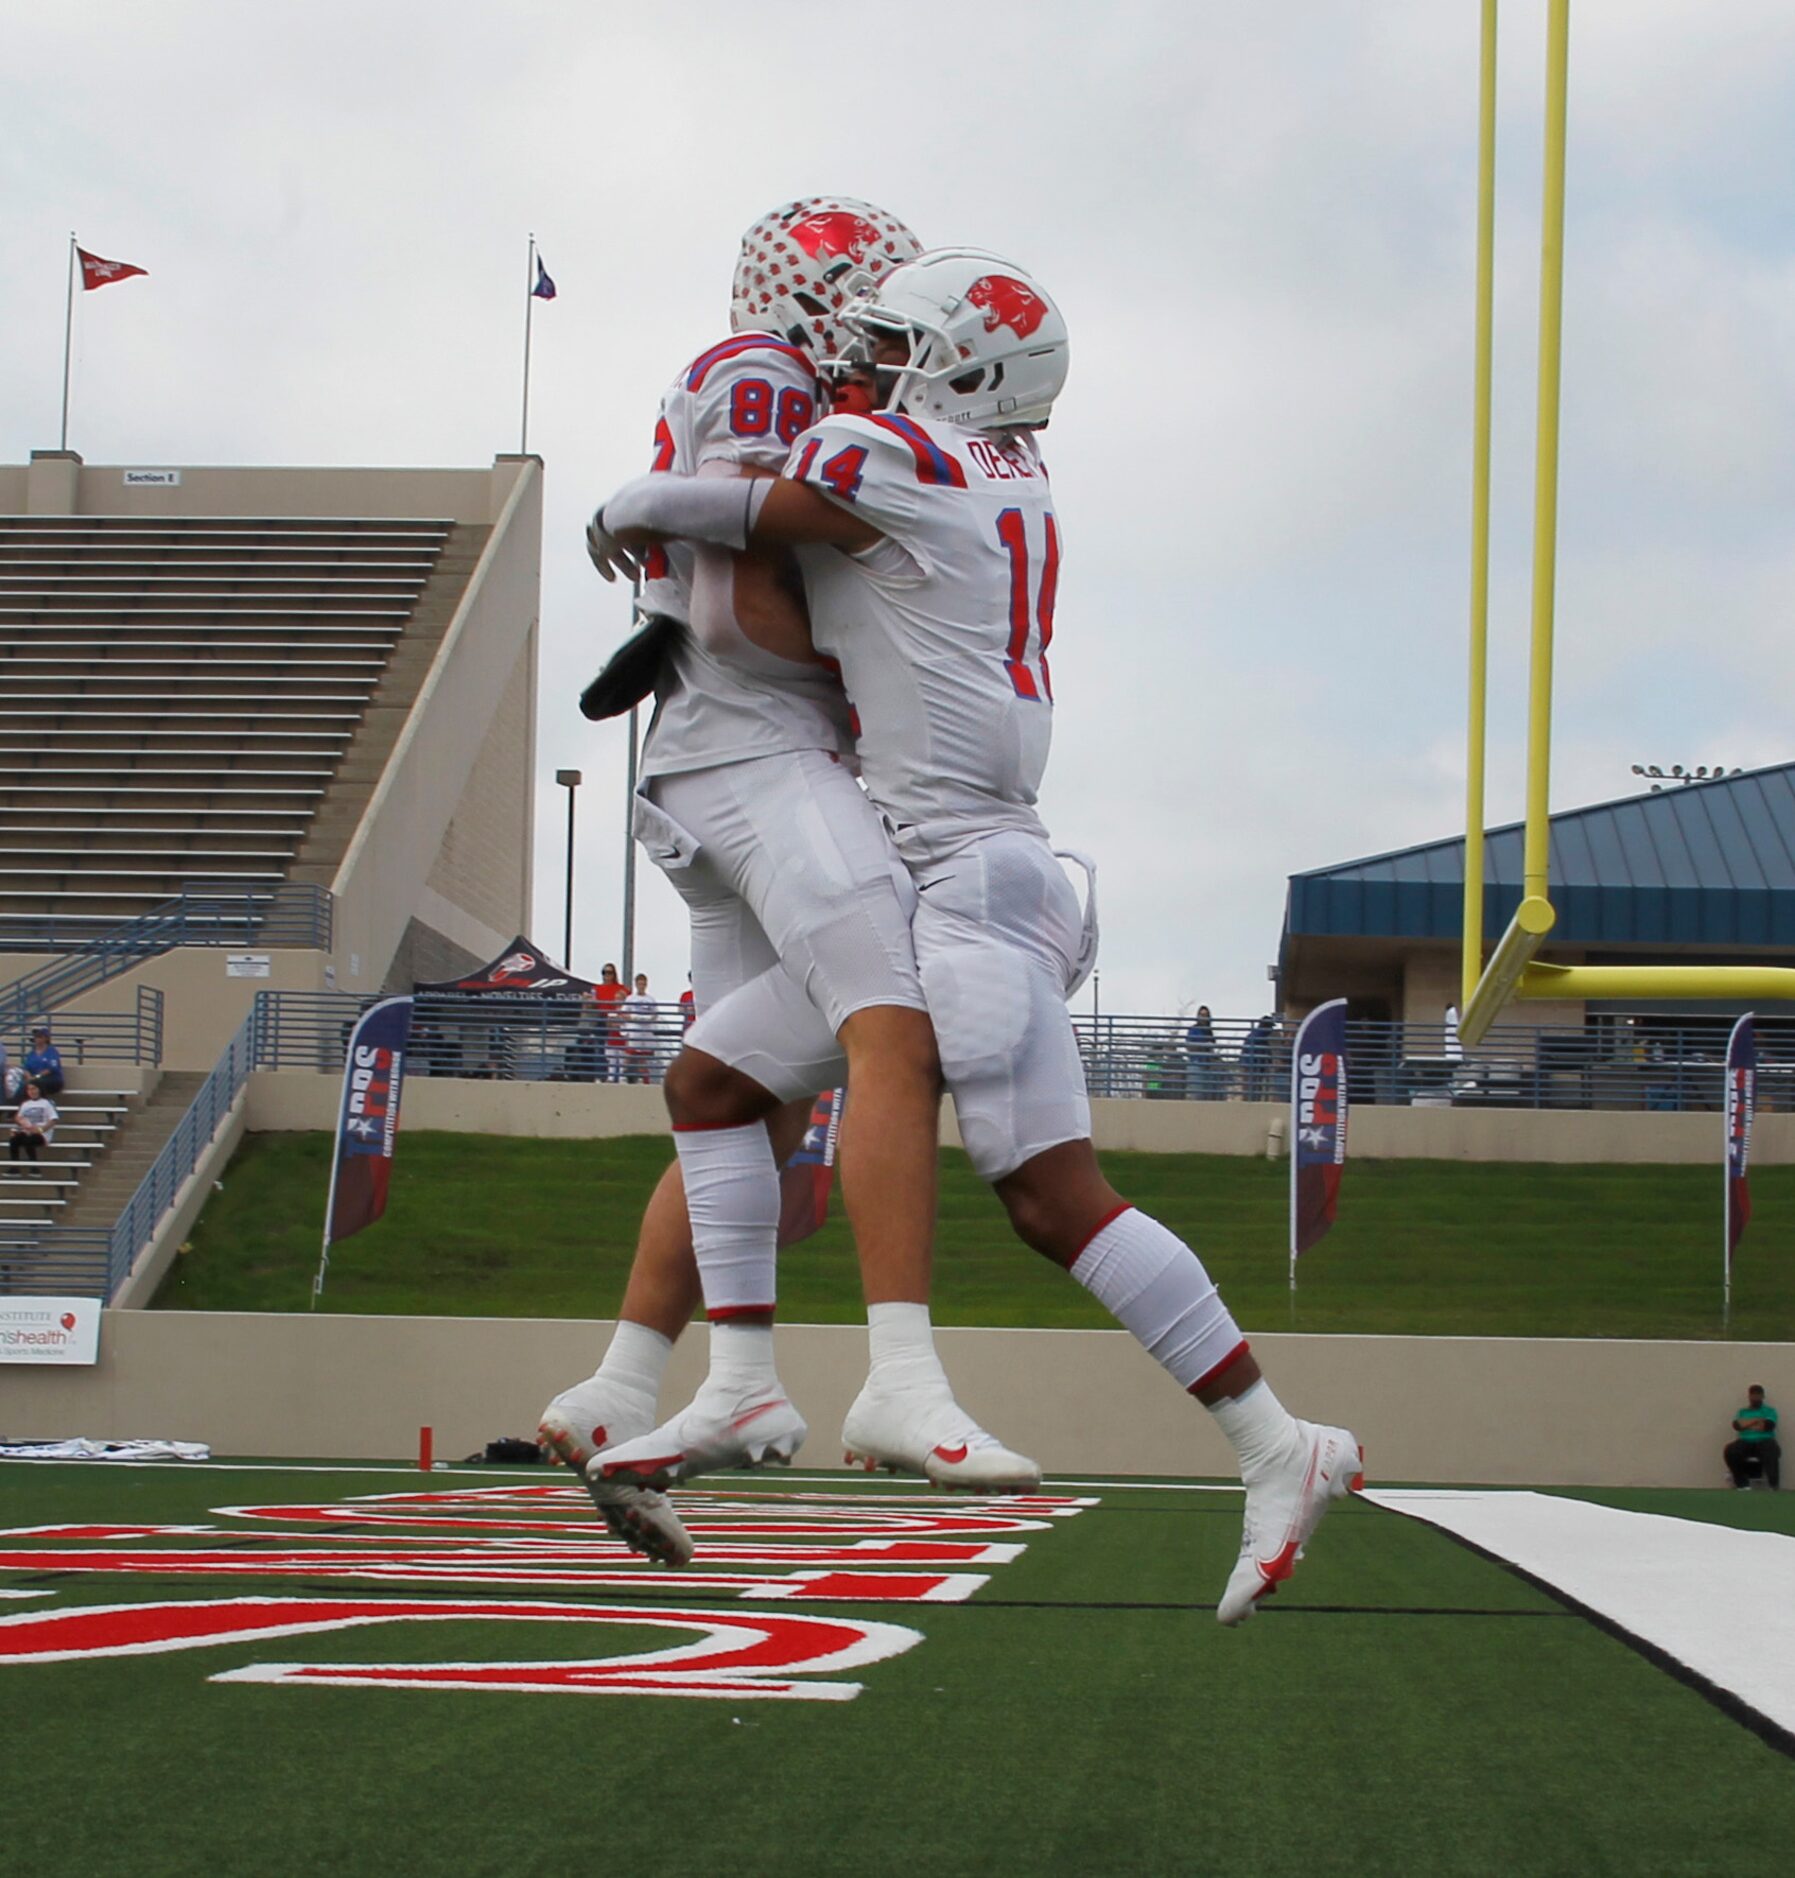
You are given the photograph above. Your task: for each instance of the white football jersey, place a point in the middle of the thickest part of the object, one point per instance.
(941, 630)
(743, 401)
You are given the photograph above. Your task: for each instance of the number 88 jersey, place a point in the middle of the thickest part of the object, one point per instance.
(942, 630)
(742, 402)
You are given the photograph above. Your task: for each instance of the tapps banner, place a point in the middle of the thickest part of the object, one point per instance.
(1317, 1126)
(367, 1123)
(1741, 1100)
(805, 1180)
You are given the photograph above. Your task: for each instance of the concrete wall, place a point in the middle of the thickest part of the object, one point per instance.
(389, 862)
(293, 1099)
(1505, 1411)
(479, 885)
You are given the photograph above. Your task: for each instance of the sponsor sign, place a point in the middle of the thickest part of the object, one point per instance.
(1318, 1126)
(49, 1330)
(247, 965)
(152, 479)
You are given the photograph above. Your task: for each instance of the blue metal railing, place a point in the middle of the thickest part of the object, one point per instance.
(201, 914)
(484, 1038)
(94, 1262)
(1639, 1062)
(128, 1036)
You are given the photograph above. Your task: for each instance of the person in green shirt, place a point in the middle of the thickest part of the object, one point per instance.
(1755, 1430)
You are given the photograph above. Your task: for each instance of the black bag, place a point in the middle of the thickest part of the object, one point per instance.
(506, 1451)
(630, 671)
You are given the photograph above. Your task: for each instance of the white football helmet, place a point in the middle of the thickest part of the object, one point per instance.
(802, 263)
(988, 348)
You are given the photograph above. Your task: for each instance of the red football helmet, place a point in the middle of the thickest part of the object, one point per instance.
(802, 263)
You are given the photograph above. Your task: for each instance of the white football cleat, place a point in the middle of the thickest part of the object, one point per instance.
(642, 1518)
(718, 1429)
(930, 1434)
(577, 1426)
(591, 1416)
(1285, 1502)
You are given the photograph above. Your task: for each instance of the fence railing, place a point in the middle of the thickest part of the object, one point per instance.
(464, 1034)
(202, 914)
(133, 1035)
(1640, 1062)
(94, 1262)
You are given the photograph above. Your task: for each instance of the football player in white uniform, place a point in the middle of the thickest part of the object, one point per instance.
(931, 548)
(750, 805)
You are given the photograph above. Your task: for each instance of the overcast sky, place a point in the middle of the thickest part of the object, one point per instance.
(1259, 223)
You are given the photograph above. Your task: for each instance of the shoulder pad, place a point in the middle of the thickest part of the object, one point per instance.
(701, 367)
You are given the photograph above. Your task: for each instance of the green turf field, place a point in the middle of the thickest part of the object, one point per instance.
(1404, 1705)
(484, 1226)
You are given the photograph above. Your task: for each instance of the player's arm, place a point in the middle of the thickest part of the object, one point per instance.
(767, 512)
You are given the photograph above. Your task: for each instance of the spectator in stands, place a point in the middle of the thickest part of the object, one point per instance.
(1202, 1061)
(688, 1005)
(12, 1078)
(34, 1126)
(1754, 1431)
(1255, 1062)
(609, 997)
(43, 1062)
(638, 1030)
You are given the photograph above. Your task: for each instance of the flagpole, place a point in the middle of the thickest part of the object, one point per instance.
(68, 334)
(330, 1196)
(523, 440)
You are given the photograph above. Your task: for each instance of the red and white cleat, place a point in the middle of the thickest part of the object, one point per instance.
(591, 1416)
(578, 1426)
(933, 1436)
(716, 1430)
(1285, 1502)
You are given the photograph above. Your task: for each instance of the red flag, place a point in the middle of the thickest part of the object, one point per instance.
(96, 272)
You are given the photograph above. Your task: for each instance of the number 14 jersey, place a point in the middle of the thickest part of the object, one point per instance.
(942, 629)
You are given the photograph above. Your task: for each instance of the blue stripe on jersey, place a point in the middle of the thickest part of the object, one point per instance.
(933, 464)
(734, 348)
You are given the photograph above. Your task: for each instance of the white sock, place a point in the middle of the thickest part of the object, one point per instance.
(901, 1344)
(1256, 1423)
(636, 1359)
(741, 1357)
(1155, 1286)
(732, 1199)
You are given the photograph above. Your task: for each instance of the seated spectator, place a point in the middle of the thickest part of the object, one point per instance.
(33, 1127)
(43, 1062)
(1755, 1430)
(12, 1078)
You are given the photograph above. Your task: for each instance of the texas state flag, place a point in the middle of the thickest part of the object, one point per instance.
(98, 272)
(544, 288)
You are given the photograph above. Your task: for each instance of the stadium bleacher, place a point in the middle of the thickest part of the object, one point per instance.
(200, 698)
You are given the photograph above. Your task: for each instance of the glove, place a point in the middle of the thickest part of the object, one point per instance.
(608, 554)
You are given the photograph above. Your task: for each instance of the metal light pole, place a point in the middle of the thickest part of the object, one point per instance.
(569, 779)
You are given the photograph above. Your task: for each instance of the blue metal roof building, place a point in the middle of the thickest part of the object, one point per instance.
(1704, 871)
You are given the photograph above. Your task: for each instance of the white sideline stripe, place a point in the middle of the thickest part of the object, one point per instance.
(1718, 1600)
